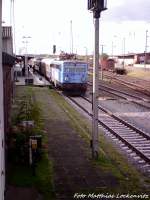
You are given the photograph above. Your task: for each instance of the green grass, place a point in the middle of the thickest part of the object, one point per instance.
(21, 176)
(44, 180)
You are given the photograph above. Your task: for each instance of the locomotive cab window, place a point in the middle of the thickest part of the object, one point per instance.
(58, 67)
(80, 70)
(51, 65)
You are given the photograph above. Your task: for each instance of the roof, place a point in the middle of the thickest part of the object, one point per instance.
(69, 61)
(8, 59)
(131, 55)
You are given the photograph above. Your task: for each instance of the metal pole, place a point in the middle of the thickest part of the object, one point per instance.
(124, 43)
(112, 53)
(26, 62)
(145, 58)
(26, 58)
(71, 33)
(101, 59)
(86, 54)
(95, 91)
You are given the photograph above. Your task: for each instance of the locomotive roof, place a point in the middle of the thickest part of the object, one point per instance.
(51, 60)
(72, 61)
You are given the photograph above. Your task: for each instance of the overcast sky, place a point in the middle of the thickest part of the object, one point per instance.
(48, 23)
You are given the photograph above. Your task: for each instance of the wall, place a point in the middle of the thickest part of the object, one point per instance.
(8, 62)
(2, 165)
(7, 40)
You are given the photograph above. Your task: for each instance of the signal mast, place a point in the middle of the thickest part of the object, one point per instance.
(96, 6)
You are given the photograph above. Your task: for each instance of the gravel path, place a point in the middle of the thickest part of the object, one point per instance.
(22, 193)
(73, 169)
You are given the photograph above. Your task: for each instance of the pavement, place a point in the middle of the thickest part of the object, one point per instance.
(22, 193)
(38, 80)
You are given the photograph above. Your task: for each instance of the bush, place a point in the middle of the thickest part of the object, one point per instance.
(28, 110)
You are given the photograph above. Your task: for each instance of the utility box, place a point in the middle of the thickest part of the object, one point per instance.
(37, 139)
(29, 81)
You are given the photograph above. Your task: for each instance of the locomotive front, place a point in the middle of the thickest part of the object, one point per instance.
(75, 76)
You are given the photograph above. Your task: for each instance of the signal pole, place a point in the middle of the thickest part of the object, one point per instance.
(124, 51)
(102, 51)
(96, 6)
(71, 38)
(145, 53)
(26, 58)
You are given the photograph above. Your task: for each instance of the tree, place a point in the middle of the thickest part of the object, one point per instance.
(104, 56)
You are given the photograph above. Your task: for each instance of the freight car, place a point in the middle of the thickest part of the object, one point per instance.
(68, 75)
(108, 64)
(45, 68)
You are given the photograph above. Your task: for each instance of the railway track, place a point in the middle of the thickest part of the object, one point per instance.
(135, 142)
(137, 87)
(133, 85)
(124, 95)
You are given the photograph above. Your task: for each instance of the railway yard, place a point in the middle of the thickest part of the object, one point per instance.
(123, 166)
(74, 100)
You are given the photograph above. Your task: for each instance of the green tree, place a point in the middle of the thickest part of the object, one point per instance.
(104, 56)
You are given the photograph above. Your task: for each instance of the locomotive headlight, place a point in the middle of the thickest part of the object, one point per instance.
(83, 79)
(66, 78)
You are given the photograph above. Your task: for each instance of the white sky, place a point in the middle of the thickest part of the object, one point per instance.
(48, 23)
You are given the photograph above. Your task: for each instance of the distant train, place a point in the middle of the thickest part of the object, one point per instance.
(66, 74)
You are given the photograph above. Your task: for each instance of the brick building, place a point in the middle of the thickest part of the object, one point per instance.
(8, 62)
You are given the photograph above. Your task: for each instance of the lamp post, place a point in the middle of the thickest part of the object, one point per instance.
(26, 61)
(86, 54)
(102, 51)
(71, 37)
(113, 45)
(112, 49)
(96, 6)
(145, 52)
(124, 51)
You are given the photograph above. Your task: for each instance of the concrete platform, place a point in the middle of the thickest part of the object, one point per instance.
(38, 80)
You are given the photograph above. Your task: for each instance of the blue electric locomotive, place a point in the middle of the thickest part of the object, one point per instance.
(68, 74)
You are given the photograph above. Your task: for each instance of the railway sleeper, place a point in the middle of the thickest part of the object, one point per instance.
(137, 139)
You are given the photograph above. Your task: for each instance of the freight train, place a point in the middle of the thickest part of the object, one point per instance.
(70, 75)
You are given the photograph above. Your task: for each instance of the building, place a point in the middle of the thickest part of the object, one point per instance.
(6, 63)
(134, 59)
